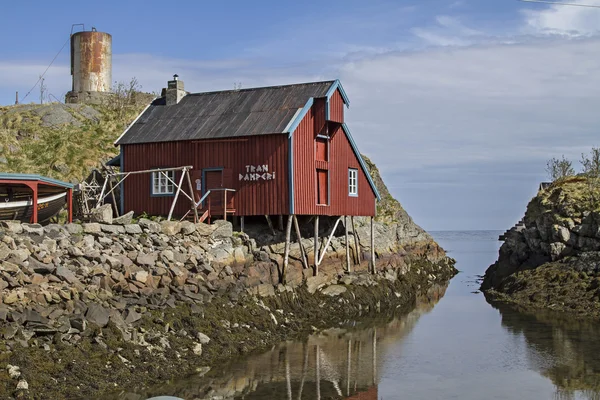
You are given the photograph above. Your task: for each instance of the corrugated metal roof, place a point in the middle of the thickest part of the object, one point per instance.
(231, 113)
(33, 177)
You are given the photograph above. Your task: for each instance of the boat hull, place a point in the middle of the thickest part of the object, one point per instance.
(47, 206)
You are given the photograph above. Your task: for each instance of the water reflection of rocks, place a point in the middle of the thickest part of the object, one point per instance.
(335, 364)
(560, 347)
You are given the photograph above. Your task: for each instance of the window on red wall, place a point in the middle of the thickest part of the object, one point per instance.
(321, 149)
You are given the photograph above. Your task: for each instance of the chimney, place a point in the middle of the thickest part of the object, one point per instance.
(174, 92)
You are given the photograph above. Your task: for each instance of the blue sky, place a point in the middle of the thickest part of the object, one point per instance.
(460, 103)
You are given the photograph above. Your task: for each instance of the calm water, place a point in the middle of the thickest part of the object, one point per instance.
(458, 348)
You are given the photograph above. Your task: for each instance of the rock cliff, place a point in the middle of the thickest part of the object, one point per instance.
(554, 260)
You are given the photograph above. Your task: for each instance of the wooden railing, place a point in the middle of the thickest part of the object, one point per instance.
(209, 209)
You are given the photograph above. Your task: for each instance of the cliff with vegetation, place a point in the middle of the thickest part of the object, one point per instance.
(66, 141)
(554, 260)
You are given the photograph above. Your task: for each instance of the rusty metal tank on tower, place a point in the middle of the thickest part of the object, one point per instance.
(91, 65)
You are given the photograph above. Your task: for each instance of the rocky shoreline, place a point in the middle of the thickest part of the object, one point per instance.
(553, 262)
(105, 307)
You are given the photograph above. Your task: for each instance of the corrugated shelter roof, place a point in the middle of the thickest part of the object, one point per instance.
(231, 113)
(33, 177)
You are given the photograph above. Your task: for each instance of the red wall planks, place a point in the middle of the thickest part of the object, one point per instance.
(336, 107)
(258, 192)
(341, 157)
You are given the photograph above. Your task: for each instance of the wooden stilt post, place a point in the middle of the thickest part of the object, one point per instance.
(270, 224)
(286, 254)
(280, 223)
(191, 187)
(316, 245)
(356, 245)
(242, 224)
(225, 205)
(348, 268)
(372, 246)
(70, 206)
(299, 237)
(34, 204)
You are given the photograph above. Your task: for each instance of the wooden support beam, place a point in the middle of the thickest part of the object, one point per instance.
(114, 201)
(316, 245)
(242, 224)
(372, 246)
(270, 225)
(329, 239)
(299, 238)
(34, 204)
(176, 196)
(280, 226)
(286, 253)
(191, 187)
(225, 205)
(70, 206)
(348, 268)
(356, 245)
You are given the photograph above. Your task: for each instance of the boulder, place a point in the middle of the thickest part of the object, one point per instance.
(223, 229)
(153, 227)
(187, 227)
(202, 338)
(205, 229)
(35, 229)
(92, 227)
(97, 314)
(170, 228)
(316, 282)
(103, 214)
(124, 219)
(112, 229)
(334, 290)
(74, 229)
(66, 274)
(133, 229)
(40, 267)
(12, 226)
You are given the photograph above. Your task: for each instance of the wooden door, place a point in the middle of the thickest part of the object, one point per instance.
(322, 187)
(214, 180)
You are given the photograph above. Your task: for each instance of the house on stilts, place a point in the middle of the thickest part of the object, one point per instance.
(268, 151)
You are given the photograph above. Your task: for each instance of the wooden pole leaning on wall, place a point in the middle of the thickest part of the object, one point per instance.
(114, 201)
(348, 268)
(286, 253)
(356, 245)
(299, 238)
(316, 252)
(372, 246)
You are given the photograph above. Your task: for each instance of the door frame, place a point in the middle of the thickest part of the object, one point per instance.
(212, 169)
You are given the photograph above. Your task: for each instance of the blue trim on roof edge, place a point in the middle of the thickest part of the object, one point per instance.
(360, 160)
(34, 177)
(291, 173)
(338, 85)
(301, 116)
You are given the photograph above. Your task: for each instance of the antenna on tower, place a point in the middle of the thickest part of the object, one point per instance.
(557, 3)
(237, 85)
(42, 89)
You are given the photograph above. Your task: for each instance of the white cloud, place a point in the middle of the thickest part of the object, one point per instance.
(563, 20)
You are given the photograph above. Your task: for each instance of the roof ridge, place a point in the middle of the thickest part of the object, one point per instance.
(331, 81)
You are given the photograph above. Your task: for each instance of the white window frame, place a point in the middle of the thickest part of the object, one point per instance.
(353, 182)
(163, 183)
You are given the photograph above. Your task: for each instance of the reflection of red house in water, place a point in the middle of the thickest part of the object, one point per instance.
(370, 394)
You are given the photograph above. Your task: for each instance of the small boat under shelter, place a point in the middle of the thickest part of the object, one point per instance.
(33, 198)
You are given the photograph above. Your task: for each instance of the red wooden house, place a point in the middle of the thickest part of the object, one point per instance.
(282, 150)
